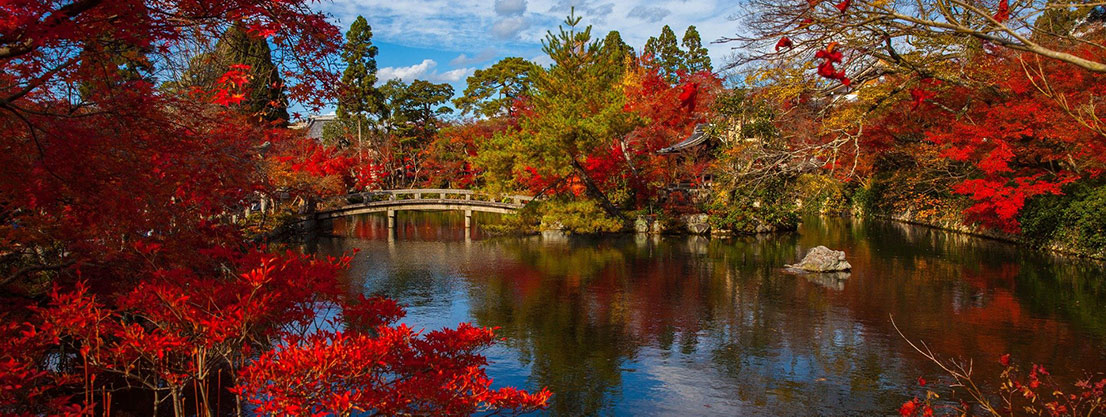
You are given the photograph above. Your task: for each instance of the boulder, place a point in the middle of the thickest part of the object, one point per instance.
(657, 228)
(823, 259)
(643, 224)
(697, 224)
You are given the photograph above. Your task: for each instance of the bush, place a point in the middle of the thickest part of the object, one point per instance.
(579, 217)
(821, 194)
(525, 222)
(752, 210)
(1043, 217)
(1086, 217)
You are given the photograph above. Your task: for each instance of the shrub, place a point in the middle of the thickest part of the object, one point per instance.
(1086, 216)
(820, 194)
(746, 210)
(580, 217)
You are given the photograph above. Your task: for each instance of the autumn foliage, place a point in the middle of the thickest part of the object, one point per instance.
(126, 286)
(1029, 393)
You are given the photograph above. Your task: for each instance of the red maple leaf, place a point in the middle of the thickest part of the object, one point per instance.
(784, 42)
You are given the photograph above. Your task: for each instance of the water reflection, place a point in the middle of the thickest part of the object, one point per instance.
(635, 325)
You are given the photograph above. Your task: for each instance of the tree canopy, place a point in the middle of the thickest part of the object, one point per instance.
(492, 91)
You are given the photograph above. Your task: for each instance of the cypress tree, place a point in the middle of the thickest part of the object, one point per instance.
(265, 97)
(697, 57)
(666, 54)
(359, 96)
(616, 51)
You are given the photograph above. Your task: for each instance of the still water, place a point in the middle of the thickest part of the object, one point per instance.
(644, 325)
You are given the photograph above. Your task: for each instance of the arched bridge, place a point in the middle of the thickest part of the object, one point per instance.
(391, 201)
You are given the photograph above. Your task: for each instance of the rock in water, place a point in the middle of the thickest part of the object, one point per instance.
(823, 259)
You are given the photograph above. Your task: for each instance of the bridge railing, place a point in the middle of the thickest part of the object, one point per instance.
(432, 194)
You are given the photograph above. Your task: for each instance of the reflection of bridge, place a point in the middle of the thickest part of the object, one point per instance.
(391, 201)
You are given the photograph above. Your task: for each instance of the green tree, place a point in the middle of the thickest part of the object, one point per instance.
(265, 95)
(578, 111)
(697, 57)
(359, 96)
(617, 51)
(491, 92)
(415, 110)
(666, 54)
(411, 117)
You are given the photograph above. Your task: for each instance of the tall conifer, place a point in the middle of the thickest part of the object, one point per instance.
(359, 96)
(697, 57)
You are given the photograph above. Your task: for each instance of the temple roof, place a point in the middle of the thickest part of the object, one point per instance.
(698, 136)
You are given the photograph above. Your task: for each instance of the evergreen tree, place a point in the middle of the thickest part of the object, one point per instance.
(359, 96)
(265, 96)
(577, 112)
(491, 92)
(617, 52)
(697, 57)
(666, 55)
(415, 109)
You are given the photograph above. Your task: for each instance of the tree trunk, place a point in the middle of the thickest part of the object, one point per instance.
(596, 193)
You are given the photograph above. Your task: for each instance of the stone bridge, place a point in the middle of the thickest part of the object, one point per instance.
(391, 201)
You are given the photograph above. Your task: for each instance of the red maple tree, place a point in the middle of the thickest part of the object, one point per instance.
(122, 274)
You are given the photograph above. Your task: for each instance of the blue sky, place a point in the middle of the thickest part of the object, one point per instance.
(446, 40)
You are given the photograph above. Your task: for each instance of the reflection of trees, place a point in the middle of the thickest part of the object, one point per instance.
(1074, 290)
(579, 312)
(574, 343)
(427, 226)
(971, 297)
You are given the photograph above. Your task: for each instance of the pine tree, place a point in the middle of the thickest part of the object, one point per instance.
(577, 112)
(666, 54)
(416, 109)
(492, 91)
(359, 96)
(697, 57)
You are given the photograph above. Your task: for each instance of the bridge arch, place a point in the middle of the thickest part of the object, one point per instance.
(422, 199)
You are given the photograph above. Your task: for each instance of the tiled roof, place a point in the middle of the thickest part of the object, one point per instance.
(316, 123)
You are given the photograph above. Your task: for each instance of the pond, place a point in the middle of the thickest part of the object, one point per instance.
(678, 325)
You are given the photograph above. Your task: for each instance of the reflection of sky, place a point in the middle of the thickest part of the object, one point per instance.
(714, 328)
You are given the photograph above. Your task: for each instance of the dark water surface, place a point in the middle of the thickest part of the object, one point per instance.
(643, 325)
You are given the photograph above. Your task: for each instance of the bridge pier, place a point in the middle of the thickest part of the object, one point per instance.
(468, 219)
(391, 220)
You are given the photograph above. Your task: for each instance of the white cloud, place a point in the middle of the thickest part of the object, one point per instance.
(406, 73)
(484, 55)
(424, 70)
(474, 25)
(510, 7)
(648, 13)
(509, 28)
(453, 76)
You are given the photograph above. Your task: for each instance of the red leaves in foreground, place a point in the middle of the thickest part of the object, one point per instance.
(394, 372)
(830, 56)
(784, 42)
(179, 327)
(1030, 394)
